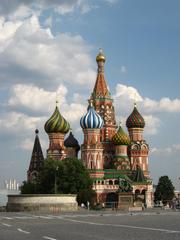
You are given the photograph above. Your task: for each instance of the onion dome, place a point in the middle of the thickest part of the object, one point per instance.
(56, 123)
(135, 120)
(100, 57)
(121, 138)
(91, 119)
(71, 141)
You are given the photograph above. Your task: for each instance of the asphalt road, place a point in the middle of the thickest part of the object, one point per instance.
(91, 226)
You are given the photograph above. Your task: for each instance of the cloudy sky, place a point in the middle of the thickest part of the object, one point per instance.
(48, 49)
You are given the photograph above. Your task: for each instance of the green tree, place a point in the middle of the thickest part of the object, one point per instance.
(30, 188)
(164, 190)
(66, 176)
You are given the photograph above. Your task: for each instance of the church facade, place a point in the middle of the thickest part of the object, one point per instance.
(112, 156)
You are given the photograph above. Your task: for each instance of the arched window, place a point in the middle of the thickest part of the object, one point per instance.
(116, 182)
(110, 182)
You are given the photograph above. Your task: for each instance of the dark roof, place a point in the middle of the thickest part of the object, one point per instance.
(71, 141)
(37, 154)
(139, 175)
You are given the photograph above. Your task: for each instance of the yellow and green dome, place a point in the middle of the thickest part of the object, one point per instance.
(121, 138)
(56, 123)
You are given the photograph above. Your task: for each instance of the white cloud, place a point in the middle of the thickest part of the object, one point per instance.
(31, 53)
(123, 69)
(176, 146)
(161, 151)
(40, 101)
(126, 95)
(27, 144)
(163, 105)
(74, 112)
(172, 149)
(124, 98)
(152, 124)
(23, 8)
(19, 123)
(112, 1)
(36, 99)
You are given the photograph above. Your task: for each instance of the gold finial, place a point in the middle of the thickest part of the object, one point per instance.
(100, 57)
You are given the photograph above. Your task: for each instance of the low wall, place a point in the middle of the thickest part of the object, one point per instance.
(42, 202)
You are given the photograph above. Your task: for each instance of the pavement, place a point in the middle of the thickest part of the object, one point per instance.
(151, 224)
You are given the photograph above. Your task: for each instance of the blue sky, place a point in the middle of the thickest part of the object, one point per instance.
(48, 48)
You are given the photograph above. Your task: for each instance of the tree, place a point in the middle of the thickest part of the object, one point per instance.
(66, 176)
(164, 190)
(29, 188)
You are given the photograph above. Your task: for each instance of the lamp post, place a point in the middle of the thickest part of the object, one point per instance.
(55, 181)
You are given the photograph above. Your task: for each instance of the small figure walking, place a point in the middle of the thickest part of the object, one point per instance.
(88, 205)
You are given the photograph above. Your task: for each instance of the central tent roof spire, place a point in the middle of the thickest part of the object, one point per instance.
(100, 88)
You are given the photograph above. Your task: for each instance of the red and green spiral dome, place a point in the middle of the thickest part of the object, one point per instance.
(135, 120)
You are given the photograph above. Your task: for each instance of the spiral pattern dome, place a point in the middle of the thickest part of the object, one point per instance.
(135, 120)
(91, 119)
(56, 123)
(121, 138)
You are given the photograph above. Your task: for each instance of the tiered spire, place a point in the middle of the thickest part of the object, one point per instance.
(100, 88)
(36, 159)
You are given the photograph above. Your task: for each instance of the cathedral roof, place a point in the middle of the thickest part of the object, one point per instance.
(135, 120)
(37, 154)
(57, 123)
(121, 138)
(71, 141)
(91, 119)
(100, 89)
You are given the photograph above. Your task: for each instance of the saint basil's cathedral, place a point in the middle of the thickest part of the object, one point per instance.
(107, 151)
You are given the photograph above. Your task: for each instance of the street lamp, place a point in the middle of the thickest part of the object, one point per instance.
(55, 181)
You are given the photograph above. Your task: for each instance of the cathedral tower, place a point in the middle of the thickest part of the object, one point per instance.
(102, 101)
(121, 141)
(72, 146)
(56, 128)
(37, 159)
(103, 104)
(91, 150)
(138, 149)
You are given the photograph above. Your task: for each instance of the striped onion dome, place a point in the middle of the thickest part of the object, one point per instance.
(91, 119)
(135, 120)
(56, 123)
(121, 138)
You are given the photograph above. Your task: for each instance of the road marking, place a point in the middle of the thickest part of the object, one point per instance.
(49, 238)
(45, 217)
(7, 225)
(20, 230)
(9, 218)
(125, 226)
